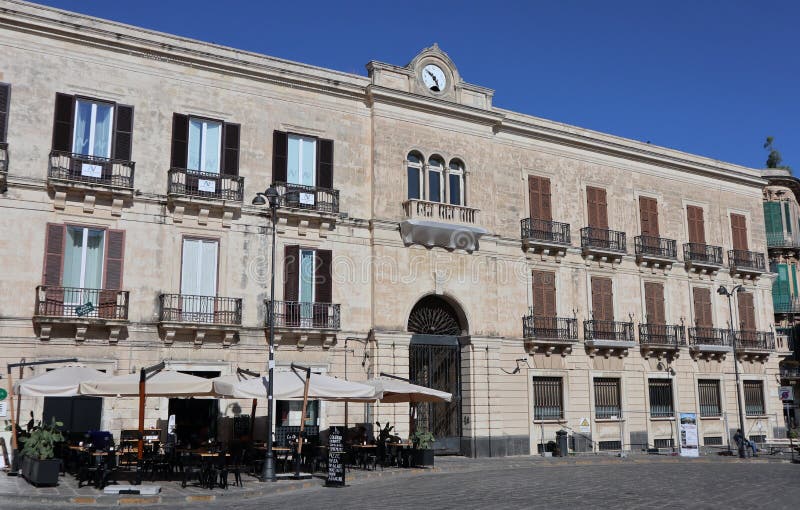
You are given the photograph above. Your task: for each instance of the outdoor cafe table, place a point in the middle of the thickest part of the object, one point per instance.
(362, 451)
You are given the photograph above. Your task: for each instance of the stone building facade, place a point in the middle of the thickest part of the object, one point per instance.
(549, 276)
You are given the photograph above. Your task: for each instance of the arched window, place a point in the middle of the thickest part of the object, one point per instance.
(435, 180)
(415, 180)
(456, 182)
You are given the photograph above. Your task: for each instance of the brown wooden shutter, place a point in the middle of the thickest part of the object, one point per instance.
(654, 302)
(697, 231)
(230, 152)
(702, 307)
(180, 141)
(62, 123)
(602, 299)
(325, 164)
(53, 254)
(747, 311)
(648, 213)
(123, 132)
(323, 278)
(739, 231)
(539, 197)
(291, 281)
(533, 196)
(115, 253)
(598, 207)
(544, 294)
(5, 102)
(280, 150)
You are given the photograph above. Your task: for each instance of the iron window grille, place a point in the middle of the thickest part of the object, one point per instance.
(548, 398)
(607, 398)
(708, 391)
(753, 398)
(661, 398)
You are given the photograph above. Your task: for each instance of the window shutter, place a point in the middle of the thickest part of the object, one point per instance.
(533, 196)
(772, 218)
(323, 277)
(739, 231)
(546, 209)
(602, 299)
(544, 294)
(230, 156)
(598, 207)
(696, 223)
(325, 164)
(539, 197)
(5, 101)
(291, 281)
(115, 252)
(123, 132)
(702, 307)
(62, 123)
(648, 213)
(53, 254)
(788, 217)
(180, 140)
(280, 150)
(654, 302)
(747, 311)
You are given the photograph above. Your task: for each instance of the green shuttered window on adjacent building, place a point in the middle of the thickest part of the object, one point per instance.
(773, 221)
(781, 295)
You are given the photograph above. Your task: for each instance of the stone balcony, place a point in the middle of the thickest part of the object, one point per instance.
(746, 264)
(204, 194)
(702, 258)
(80, 313)
(545, 237)
(603, 244)
(307, 207)
(709, 343)
(90, 179)
(608, 338)
(548, 335)
(303, 321)
(656, 252)
(199, 318)
(661, 340)
(754, 345)
(453, 227)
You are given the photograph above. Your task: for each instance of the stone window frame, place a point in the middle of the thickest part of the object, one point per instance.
(446, 170)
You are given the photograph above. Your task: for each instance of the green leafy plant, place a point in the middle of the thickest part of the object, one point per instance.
(40, 444)
(422, 440)
(774, 158)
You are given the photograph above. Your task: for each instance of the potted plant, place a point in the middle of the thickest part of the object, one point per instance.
(39, 465)
(423, 448)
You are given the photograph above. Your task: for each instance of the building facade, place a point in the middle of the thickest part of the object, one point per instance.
(549, 276)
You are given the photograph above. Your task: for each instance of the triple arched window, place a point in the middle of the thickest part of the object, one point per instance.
(434, 181)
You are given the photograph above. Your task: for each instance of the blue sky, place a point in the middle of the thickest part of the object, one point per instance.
(708, 77)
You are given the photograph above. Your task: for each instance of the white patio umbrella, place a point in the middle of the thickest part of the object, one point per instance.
(397, 391)
(166, 383)
(291, 385)
(61, 382)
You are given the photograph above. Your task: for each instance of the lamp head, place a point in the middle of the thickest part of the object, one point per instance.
(722, 291)
(273, 196)
(259, 199)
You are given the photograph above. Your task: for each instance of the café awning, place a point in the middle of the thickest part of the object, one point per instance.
(290, 385)
(166, 383)
(397, 391)
(61, 382)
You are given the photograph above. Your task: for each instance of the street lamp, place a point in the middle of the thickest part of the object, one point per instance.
(270, 196)
(723, 291)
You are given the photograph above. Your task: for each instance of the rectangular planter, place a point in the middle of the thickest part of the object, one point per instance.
(422, 458)
(41, 472)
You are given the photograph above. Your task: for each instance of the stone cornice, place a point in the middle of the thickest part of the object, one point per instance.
(378, 94)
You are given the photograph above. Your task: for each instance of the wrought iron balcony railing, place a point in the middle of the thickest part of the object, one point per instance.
(790, 372)
(603, 239)
(657, 247)
(662, 334)
(747, 260)
(781, 240)
(758, 340)
(303, 315)
(709, 336)
(784, 303)
(192, 183)
(81, 303)
(80, 168)
(608, 330)
(545, 231)
(439, 211)
(702, 254)
(200, 309)
(3, 157)
(561, 329)
(298, 196)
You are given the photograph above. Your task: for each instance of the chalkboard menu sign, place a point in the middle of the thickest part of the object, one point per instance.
(335, 461)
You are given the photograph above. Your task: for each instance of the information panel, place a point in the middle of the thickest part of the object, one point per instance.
(335, 453)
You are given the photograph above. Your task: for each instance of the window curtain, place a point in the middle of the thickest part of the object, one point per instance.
(83, 123)
(73, 257)
(102, 131)
(199, 276)
(306, 283)
(195, 137)
(213, 140)
(93, 273)
(205, 138)
(301, 164)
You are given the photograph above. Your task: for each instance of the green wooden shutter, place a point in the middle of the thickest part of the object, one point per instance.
(794, 278)
(772, 218)
(788, 217)
(780, 289)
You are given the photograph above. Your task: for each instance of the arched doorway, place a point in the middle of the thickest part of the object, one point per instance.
(435, 362)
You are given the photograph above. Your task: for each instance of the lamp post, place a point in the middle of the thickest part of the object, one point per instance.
(723, 291)
(270, 196)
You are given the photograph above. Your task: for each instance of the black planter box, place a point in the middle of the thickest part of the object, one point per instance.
(41, 472)
(422, 458)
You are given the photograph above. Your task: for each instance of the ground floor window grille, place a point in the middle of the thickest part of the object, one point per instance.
(609, 445)
(606, 397)
(758, 439)
(712, 440)
(661, 398)
(708, 391)
(548, 402)
(663, 443)
(754, 398)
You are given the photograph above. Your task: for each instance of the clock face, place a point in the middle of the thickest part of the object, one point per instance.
(434, 78)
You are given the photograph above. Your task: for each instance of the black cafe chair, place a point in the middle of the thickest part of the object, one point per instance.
(192, 467)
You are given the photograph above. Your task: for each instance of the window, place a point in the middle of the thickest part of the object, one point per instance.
(93, 128)
(5, 101)
(435, 177)
(456, 183)
(696, 224)
(199, 278)
(607, 398)
(414, 170)
(663, 443)
(302, 160)
(712, 440)
(660, 398)
(83, 258)
(548, 401)
(308, 287)
(739, 231)
(708, 391)
(289, 412)
(753, 398)
(609, 445)
(205, 145)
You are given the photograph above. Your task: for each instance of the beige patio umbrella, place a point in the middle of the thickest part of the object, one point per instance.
(61, 382)
(396, 391)
(166, 383)
(291, 385)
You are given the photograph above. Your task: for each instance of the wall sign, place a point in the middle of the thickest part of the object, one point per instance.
(88, 170)
(335, 464)
(206, 185)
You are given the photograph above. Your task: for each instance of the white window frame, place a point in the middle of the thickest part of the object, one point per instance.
(92, 126)
(441, 170)
(456, 168)
(84, 248)
(302, 140)
(418, 166)
(204, 143)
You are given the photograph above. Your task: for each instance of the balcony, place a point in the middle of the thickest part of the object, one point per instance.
(702, 258)
(204, 194)
(602, 244)
(3, 166)
(89, 178)
(790, 373)
(307, 206)
(183, 316)
(785, 304)
(655, 252)
(608, 338)
(546, 237)
(452, 227)
(747, 264)
(781, 240)
(301, 321)
(547, 335)
(661, 340)
(754, 345)
(102, 312)
(709, 342)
